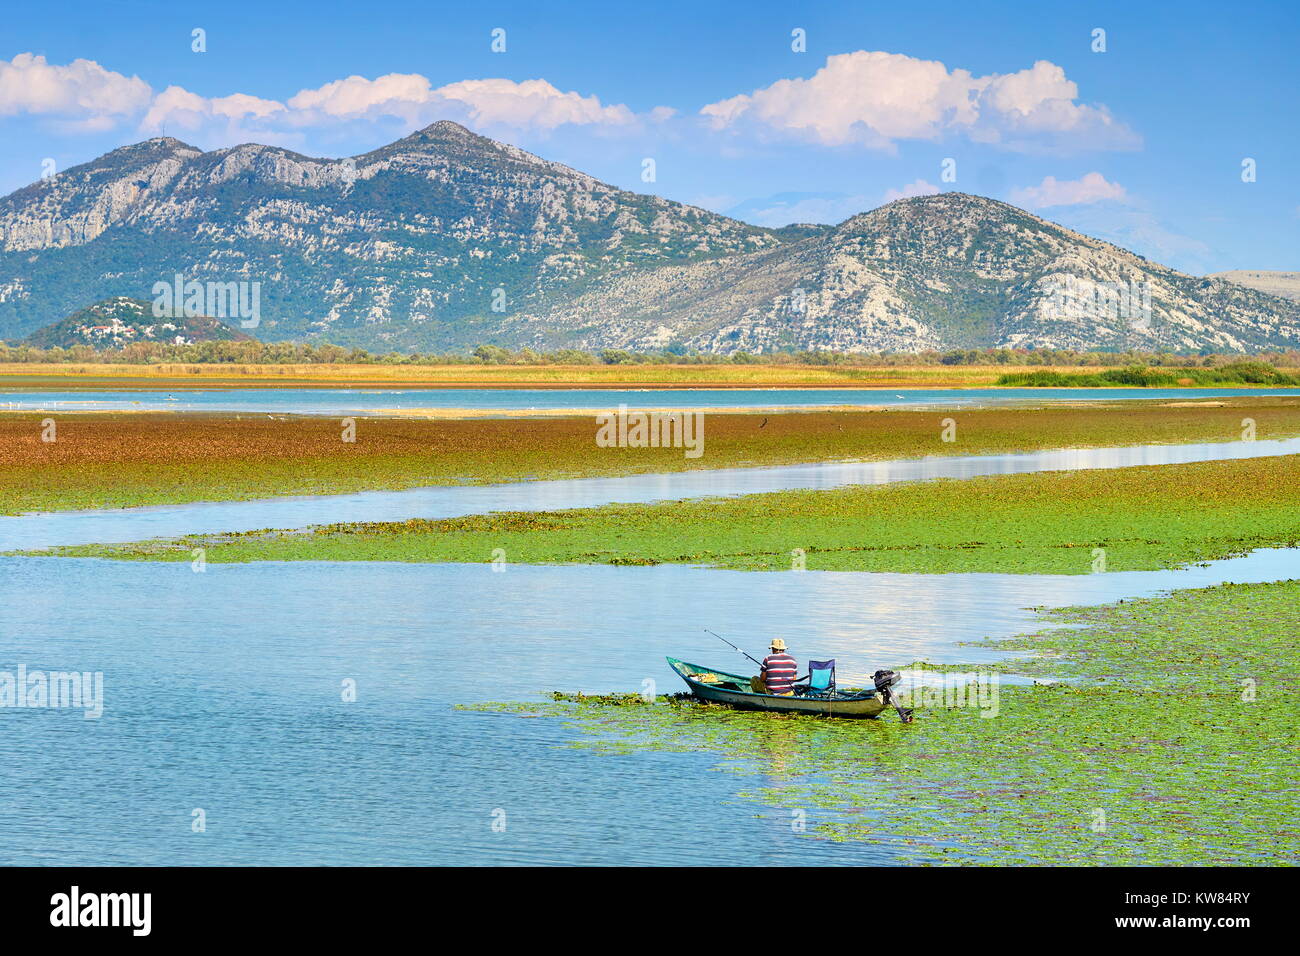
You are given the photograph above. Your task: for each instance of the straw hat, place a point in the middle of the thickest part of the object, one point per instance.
(778, 644)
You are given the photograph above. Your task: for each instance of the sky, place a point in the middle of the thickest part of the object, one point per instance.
(1171, 129)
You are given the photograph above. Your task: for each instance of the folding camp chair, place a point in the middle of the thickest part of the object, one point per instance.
(821, 678)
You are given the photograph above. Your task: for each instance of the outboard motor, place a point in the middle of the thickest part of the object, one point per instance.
(885, 683)
(886, 679)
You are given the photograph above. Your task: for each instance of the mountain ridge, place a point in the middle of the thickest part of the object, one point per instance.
(445, 239)
(1019, 281)
(421, 232)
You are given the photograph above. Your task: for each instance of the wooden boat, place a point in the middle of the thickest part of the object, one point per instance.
(719, 687)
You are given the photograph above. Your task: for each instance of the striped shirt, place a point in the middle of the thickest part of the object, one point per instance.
(779, 672)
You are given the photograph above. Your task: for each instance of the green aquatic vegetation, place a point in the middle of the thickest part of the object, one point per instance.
(120, 460)
(1177, 743)
(603, 700)
(1055, 522)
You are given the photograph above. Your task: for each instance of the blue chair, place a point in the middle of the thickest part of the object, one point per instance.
(821, 678)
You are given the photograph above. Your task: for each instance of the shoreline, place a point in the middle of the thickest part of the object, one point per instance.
(182, 376)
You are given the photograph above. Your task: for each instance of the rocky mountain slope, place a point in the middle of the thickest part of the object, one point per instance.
(446, 239)
(427, 241)
(121, 320)
(942, 271)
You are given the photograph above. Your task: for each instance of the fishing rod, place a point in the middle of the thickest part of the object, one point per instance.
(731, 645)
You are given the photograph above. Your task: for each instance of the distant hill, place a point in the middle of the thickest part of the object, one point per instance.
(944, 271)
(1283, 284)
(446, 239)
(121, 320)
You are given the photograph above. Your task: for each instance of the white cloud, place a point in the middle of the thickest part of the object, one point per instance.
(178, 107)
(918, 188)
(90, 95)
(532, 103)
(1090, 188)
(409, 97)
(877, 98)
(82, 91)
(356, 96)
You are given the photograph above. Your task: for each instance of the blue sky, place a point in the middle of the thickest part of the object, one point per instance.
(1142, 143)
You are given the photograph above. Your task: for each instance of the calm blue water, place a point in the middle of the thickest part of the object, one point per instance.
(333, 401)
(222, 691)
(81, 527)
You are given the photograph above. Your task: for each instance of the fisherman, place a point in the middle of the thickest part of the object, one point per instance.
(779, 672)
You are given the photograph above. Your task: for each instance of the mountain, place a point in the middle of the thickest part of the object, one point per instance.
(446, 239)
(121, 320)
(943, 271)
(1285, 285)
(403, 246)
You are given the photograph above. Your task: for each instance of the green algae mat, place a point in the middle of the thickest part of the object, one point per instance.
(1125, 519)
(1175, 740)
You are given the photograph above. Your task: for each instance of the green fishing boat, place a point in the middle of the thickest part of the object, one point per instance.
(735, 690)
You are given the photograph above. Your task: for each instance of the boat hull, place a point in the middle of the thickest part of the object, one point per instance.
(732, 690)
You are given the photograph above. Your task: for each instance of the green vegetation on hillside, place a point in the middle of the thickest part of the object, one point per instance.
(108, 325)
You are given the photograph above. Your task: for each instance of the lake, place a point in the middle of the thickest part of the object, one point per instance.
(223, 690)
